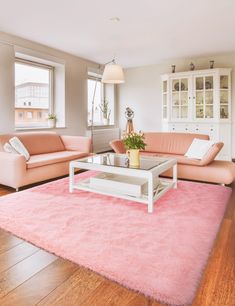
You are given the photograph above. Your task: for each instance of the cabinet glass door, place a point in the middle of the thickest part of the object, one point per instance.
(204, 97)
(224, 97)
(164, 99)
(180, 96)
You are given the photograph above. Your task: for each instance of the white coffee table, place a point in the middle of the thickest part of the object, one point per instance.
(150, 169)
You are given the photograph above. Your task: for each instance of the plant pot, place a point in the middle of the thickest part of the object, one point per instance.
(134, 158)
(105, 121)
(51, 123)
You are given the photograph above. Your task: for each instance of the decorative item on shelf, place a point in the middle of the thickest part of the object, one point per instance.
(212, 64)
(224, 82)
(223, 115)
(173, 68)
(129, 114)
(178, 87)
(134, 142)
(51, 120)
(106, 112)
(208, 85)
(192, 66)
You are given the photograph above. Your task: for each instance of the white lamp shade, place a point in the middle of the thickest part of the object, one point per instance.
(113, 74)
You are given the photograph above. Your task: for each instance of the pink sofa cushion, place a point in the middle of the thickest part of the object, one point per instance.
(173, 143)
(39, 143)
(76, 143)
(53, 158)
(118, 146)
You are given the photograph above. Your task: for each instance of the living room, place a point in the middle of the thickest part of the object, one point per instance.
(117, 153)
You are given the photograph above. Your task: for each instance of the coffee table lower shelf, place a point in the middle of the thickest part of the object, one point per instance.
(85, 185)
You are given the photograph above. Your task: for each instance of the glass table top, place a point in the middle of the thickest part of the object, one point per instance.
(121, 160)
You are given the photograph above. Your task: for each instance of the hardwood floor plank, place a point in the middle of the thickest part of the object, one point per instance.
(140, 300)
(16, 254)
(75, 290)
(41, 284)
(4, 190)
(109, 294)
(9, 241)
(224, 291)
(22, 271)
(208, 284)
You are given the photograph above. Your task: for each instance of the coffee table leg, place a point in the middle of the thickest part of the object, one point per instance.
(150, 194)
(175, 175)
(71, 178)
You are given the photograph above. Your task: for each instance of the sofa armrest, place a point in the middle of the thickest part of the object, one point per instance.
(13, 169)
(118, 146)
(77, 143)
(211, 154)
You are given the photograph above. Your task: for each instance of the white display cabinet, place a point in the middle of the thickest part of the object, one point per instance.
(199, 101)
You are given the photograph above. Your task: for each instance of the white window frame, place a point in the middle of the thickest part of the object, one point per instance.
(51, 86)
(98, 78)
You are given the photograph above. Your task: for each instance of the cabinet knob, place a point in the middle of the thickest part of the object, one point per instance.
(173, 129)
(212, 130)
(196, 129)
(186, 129)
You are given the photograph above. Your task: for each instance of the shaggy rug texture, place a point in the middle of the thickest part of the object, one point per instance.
(162, 254)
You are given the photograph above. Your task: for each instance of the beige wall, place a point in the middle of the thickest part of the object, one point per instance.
(75, 84)
(142, 91)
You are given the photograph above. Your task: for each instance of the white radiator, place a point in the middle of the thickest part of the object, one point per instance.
(102, 138)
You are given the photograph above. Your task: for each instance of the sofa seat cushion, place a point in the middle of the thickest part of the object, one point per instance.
(219, 171)
(145, 153)
(181, 159)
(53, 158)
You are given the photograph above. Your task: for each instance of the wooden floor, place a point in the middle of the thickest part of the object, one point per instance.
(31, 276)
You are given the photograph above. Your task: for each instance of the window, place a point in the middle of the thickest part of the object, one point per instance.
(29, 115)
(33, 93)
(103, 105)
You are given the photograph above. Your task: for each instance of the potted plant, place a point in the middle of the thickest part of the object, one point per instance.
(134, 142)
(51, 120)
(104, 107)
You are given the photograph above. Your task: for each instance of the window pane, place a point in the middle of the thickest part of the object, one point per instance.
(103, 102)
(32, 95)
(97, 102)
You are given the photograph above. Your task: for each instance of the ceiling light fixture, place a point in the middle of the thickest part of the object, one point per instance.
(115, 19)
(113, 73)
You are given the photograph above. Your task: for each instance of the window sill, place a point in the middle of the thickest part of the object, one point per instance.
(101, 126)
(39, 128)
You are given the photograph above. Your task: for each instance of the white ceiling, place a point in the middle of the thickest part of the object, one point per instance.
(149, 31)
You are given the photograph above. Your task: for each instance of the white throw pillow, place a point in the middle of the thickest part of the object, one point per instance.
(19, 147)
(199, 148)
(9, 149)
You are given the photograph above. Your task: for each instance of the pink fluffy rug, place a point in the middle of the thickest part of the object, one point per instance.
(161, 255)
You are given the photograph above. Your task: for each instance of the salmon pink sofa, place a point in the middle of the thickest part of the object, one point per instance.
(176, 145)
(50, 155)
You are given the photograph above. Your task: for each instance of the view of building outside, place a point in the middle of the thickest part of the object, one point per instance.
(32, 95)
(97, 101)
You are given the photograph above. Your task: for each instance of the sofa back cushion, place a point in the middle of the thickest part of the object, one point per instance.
(36, 143)
(173, 143)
